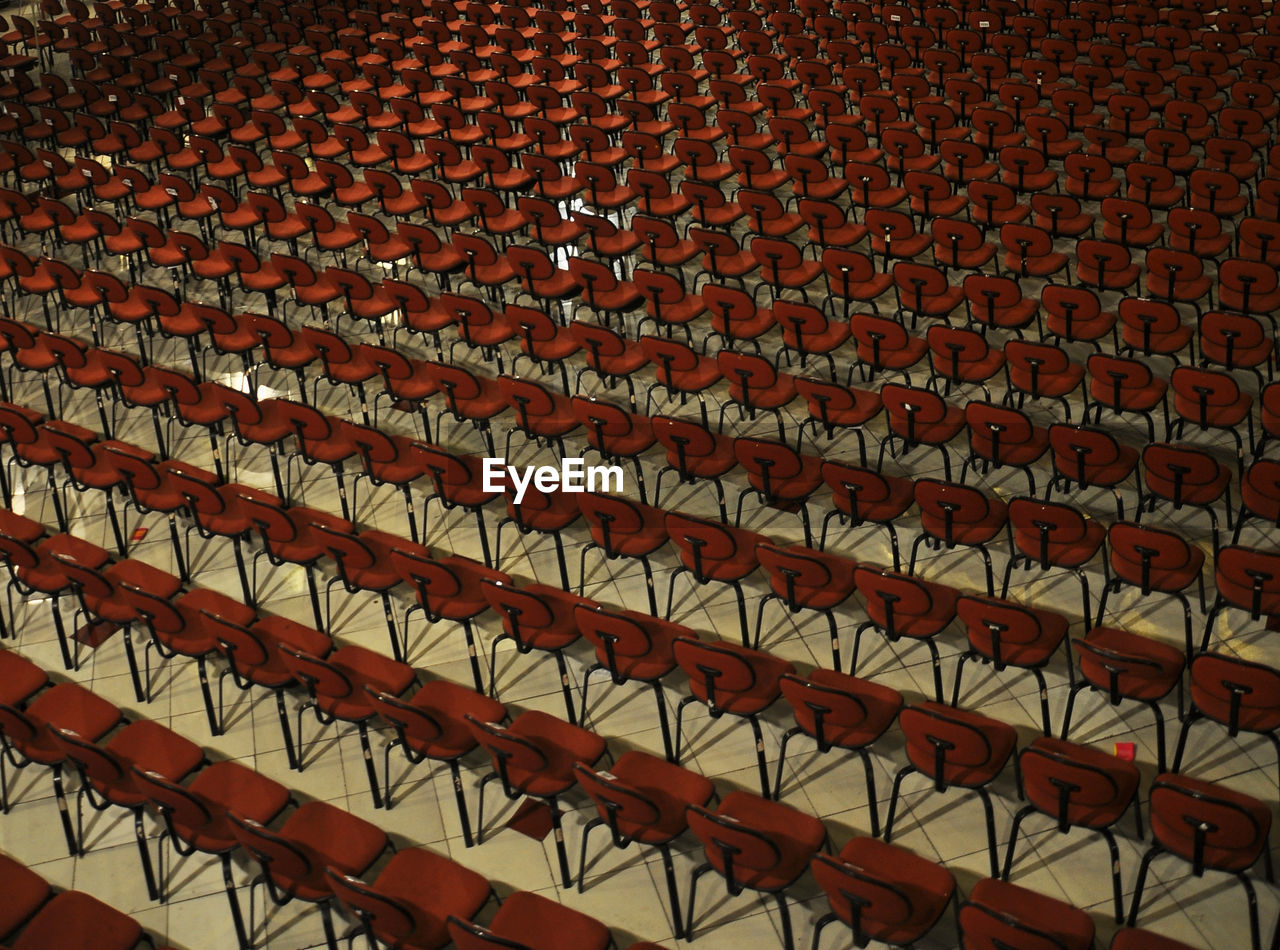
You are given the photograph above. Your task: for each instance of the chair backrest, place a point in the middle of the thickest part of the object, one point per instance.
(706, 540)
(945, 743)
(795, 568)
(391, 919)
(1207, 824)
(984, 928)
(950, 504)
(1138, 550)
(509, 751)
(827, 712)
(994, 624)
(625, 635)
(1240, 694)
(320, 676)
(184, 811)
(860, 485)
(718, 670)
(913, 402)
(731, 844)
(626, 809)
(1045, 523)
(96, 763)
(287, 862)
(771, 461)
(865, 896)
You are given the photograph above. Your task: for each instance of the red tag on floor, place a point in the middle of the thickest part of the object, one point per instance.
(532, 819)
(1126, 751)
(138, 534)
(93, 635)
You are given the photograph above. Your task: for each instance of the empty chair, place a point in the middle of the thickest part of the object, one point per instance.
(1236, 693)
(919, 417)
(522, 922)
(1154, 561)
(955, 748)
(801, 578)
(534, 617)
(1050, 535)
(1001, 435)
(693, 453)
(779, 476)
(645, 800)
(952, 514)
(882, 892)
(734, 680)
(862, 495)
(839, 711)
(1085, 457)
(713, 551)
(432, 725)
(1213, 828)
(1004, 633)
(1125, 665)
(1078, 786)
(898, 606)
(535, 756)
(1184, 475)
(755, 844)
(630, 646)
(1211, 400)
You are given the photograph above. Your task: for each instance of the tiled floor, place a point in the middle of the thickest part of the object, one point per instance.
(626, 889)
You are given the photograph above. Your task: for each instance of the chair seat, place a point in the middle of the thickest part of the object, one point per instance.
(153, 748)
(798, 837)
(671, 788)
(1073, 929)
(330, 837)
(70, 707)
(76, 919)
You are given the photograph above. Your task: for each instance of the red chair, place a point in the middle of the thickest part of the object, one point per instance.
(898, 606)
(1079, 787)
(733, 680)
(953, 514)
(863, 495)
(294, 857)
(1128, 666)
(335, 685)
(523, 920)
(1131, 938)
(197, 817)
(1183, 475)
(1211, 400)
(801, 578)
(76, 919)
(755, 844)
(27, 734)
(998, 914)
(643, 799)
(1154, 560)
(883, 343)
(629, 646)
(1235, 693)
(693, 453)
(712, 551)
(458, 481)
(779, 476)
(1001, 435)
(832, 406)
(839, 711)
(1004, 633)
(919, 417)
(535, 617)
(755, 385)
(1075, 313)
(413, 897)
(1085, 457)
(1050, 535)
(1041, 370)
(960, 356)
(1259, 495)
(954, 748)
(1126, 385)
(882, 892)
(1213, 828)
(535, 756)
